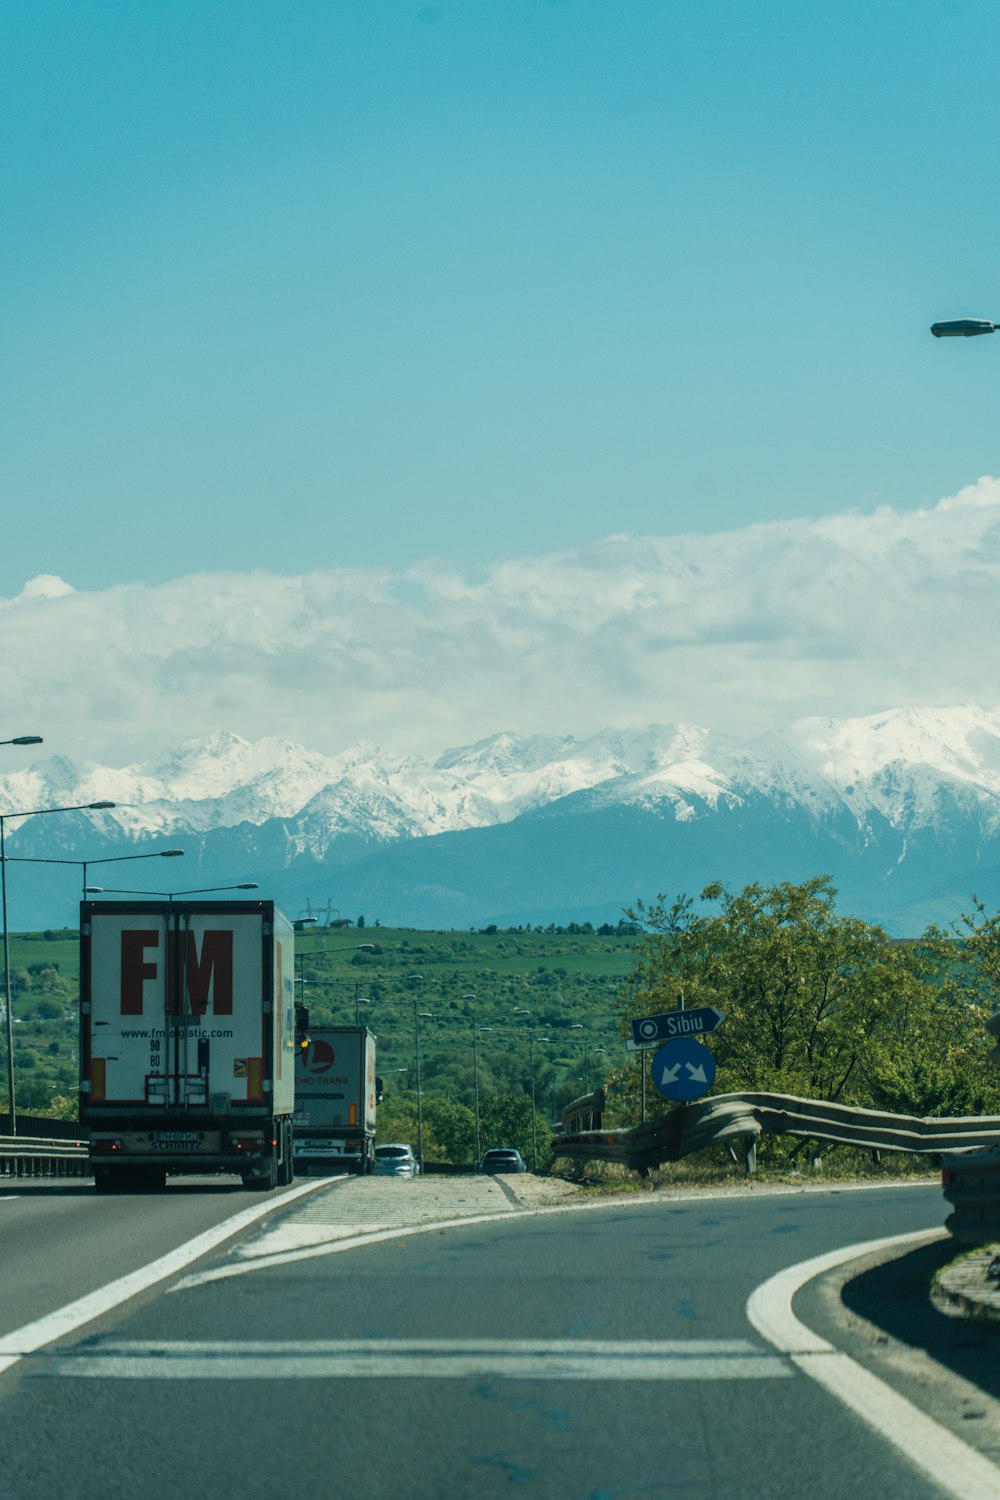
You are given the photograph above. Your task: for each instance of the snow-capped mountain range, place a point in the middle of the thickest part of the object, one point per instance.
(905, 804)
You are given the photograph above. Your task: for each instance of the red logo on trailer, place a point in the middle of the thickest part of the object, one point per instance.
(208, 973)
(320, 1057)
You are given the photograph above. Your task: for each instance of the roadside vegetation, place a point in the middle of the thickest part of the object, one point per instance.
(824, 1006)
(817, 1004)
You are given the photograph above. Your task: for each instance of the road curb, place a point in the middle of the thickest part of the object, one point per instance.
(967, 1289)
(936, 1450)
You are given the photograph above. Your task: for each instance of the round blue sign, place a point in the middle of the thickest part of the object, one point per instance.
(683, 1069)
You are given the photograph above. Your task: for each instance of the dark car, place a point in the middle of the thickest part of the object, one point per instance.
(502, 1159)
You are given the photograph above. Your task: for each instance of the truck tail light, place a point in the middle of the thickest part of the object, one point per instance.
(245, 1142)
(104, 1148)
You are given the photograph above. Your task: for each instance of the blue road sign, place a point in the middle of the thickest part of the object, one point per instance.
(683, 1069)
(676, 1023)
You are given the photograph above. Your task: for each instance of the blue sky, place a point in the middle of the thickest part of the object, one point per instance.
(351, 286)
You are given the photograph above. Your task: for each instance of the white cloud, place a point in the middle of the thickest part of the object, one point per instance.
(739, 631)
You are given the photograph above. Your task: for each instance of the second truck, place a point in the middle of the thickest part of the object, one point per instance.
(336, 1091)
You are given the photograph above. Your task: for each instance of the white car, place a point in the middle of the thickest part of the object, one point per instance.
(395, 1160)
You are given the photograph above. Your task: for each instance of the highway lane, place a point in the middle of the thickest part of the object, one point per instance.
(520, 1360)
(60, 1240)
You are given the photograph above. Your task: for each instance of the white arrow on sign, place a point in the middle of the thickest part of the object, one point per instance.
(698, 1074)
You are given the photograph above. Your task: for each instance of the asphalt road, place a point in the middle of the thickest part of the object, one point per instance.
(582, 1355)
(60, 1240)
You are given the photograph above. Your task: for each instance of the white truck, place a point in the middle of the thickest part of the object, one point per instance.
(187, 1043)
(336, 1091)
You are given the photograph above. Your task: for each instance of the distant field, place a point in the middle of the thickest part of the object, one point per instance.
(564, 991)
(62, 951)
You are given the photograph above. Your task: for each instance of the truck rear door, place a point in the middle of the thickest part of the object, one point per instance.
(177, 1014)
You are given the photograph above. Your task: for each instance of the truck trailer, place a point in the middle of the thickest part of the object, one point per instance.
(336, 1091)
(187, 1042)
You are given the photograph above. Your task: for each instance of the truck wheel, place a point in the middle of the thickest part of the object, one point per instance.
(154, 1179)
(286, 1169)
(106, 1181)
(263, 1182)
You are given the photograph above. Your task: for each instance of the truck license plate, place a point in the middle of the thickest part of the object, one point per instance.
(173, 1137)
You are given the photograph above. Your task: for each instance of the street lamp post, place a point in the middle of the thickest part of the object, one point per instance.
(475, 1086)
(300, 959)
(418, 1016)
(33, 812)
(198, 890)
(475, 1073)
(579, 1026)
(109, 859)
(534, 1120)
(522, 1010)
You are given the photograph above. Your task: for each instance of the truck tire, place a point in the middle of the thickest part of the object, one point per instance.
(106, 1181)
(286, 1168)
(264, 1181)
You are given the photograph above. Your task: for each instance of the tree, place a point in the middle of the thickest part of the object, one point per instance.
(505, 1120)
(396, 1120)
(816, 1004)
(453, 1130)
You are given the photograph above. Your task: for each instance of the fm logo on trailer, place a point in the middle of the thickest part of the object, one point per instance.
(208, 974)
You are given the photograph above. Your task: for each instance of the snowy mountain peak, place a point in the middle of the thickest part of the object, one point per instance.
(898, 764)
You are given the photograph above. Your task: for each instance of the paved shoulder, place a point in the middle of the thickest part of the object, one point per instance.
(370, 1205)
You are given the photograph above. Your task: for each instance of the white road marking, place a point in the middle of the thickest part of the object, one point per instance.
(418, 1359)
(958, 1469)
(332, 1246)
(299, 1241)
(66, 1320)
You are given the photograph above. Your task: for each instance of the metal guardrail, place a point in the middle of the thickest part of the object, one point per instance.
(730, 1117)
(42, 1156)
(972, 1184)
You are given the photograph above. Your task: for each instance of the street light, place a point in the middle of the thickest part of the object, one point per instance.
(522, 1010)
(579, 1026)
(475, 1072)
(108, 859)
(33, 812)
(424, 1015)
(963, 328)
(24, 739)
(302, 981)
(198, 890)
